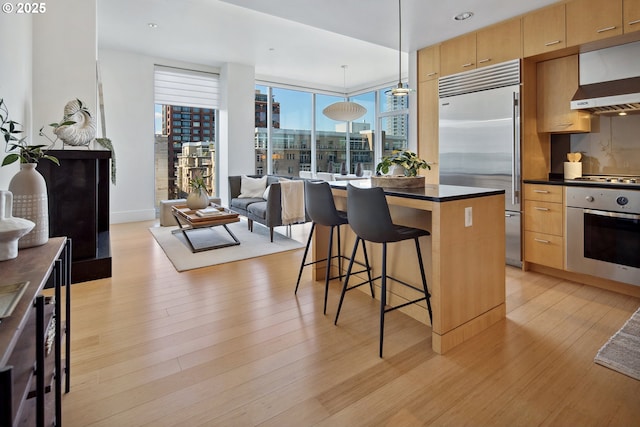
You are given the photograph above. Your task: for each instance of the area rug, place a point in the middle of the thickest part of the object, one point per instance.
(622, 352)
(251, 245)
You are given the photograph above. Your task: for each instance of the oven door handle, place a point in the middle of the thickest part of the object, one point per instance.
(611, 214)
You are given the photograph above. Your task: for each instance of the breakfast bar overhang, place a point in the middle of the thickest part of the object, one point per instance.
(464, 256)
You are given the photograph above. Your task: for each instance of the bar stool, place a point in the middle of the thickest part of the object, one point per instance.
(369, 217)
(322, 210)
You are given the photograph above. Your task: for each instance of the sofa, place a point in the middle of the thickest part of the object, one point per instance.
(266, 209)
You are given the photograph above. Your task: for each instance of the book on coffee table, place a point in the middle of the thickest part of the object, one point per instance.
(210, 211)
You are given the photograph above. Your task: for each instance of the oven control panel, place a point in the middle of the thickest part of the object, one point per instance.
(606, 199)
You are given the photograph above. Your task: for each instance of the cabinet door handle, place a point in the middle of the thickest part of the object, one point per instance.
(552, 43)
(541, 209)
(565, 124)
(431, 74)
(637, 21)
(541, 241)
(541, 191)
(468, 64)
(482, 61)
(602, 30)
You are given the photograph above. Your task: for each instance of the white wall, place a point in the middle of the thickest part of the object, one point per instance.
(15, 78)
(64, 61)
(236, 150)
(127, 80)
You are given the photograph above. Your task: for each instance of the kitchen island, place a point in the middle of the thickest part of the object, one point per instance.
(464, 256)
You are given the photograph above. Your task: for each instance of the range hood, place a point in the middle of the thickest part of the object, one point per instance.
(609, 80)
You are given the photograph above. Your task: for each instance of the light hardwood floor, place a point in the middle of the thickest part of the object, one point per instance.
(231, 345)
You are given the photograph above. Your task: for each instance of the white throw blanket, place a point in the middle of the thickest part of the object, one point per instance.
(292, 200)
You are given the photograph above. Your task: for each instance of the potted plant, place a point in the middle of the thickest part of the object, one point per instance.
(198, 197)
(405, 160)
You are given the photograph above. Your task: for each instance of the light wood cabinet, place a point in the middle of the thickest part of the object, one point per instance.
(591, 20)
(557, 82)
(544, 30)
(544, 225)
(489, 46)
(631, 15)
(457, 55)
(428, 126)
(429, 63)
(499, 43)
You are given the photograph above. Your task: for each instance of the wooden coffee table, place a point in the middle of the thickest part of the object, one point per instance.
(189, 221)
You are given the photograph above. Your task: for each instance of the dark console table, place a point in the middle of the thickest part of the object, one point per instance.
(78, 192)
(34, 339)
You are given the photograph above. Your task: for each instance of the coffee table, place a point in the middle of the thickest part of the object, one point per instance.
(189, 221)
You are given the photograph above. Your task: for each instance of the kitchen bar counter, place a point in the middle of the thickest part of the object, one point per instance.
(465, 263)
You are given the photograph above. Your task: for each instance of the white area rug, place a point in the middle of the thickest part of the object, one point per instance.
(622, 352)
(251, 245)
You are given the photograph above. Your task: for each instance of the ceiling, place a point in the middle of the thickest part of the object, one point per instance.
(301, 42)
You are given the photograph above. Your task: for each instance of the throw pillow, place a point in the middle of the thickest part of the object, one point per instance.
(265, 195)
(252, 187)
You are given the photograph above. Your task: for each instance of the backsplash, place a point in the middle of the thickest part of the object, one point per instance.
(613, 150)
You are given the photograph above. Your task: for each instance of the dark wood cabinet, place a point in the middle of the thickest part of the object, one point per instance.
(34, 339)
(78, 192)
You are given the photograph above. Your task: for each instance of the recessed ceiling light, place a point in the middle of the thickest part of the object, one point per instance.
(462, 16)
(152, 25)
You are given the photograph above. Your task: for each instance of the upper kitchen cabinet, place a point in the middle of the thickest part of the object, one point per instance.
(557, 83)
(499, 43)
(544, 30)
(429, 63)
(631, 15)
(458, 54)
(591, 20)
(489, 46)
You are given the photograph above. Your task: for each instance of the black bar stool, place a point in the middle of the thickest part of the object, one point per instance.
(322, 210)
(369, 217)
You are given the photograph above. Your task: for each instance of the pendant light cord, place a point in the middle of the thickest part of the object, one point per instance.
(399, 43)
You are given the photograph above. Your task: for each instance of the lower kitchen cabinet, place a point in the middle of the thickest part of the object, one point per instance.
(544, 225)
(34, 339)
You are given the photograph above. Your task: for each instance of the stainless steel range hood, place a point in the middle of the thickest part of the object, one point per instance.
(609, 80)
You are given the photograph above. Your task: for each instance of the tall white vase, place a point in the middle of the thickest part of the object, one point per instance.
(30, 202)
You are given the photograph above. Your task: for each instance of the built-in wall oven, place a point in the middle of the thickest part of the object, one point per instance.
(603, 232)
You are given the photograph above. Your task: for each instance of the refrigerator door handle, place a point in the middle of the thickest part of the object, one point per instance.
(515, 161)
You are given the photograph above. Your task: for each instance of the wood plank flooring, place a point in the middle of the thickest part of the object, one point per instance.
(231, 345)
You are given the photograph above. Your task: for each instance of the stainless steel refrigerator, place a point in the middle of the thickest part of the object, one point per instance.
(479, 140)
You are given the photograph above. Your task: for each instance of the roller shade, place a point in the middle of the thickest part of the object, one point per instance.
(186, 88)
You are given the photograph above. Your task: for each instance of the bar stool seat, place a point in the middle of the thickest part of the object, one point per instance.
(322, 210)
(369, 217)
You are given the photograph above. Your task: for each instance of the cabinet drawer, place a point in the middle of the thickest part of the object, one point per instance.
(544, 193)
(544, 249)
(543, 217)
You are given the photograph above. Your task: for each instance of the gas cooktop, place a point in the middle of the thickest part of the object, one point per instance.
(609, 179)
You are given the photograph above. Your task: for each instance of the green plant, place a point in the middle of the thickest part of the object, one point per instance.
(17, 148)
(405, 158)
(198, 183)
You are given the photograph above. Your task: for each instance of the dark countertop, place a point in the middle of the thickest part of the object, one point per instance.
(572, 183)
(430, 192)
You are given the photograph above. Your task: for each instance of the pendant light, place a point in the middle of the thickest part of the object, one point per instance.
(399, 90)
(344, 111)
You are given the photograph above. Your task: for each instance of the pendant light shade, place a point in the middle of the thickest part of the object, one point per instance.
(400, 89)
(344, 111)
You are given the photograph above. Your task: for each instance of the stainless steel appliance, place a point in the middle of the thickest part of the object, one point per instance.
(603, 232)
(609, 80)
(480, 138)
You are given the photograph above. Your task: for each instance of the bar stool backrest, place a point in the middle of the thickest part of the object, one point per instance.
(368, 214)
(320, 205)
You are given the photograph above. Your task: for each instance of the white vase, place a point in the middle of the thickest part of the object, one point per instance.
(198, 199)
(11, 228)
(30, 202)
